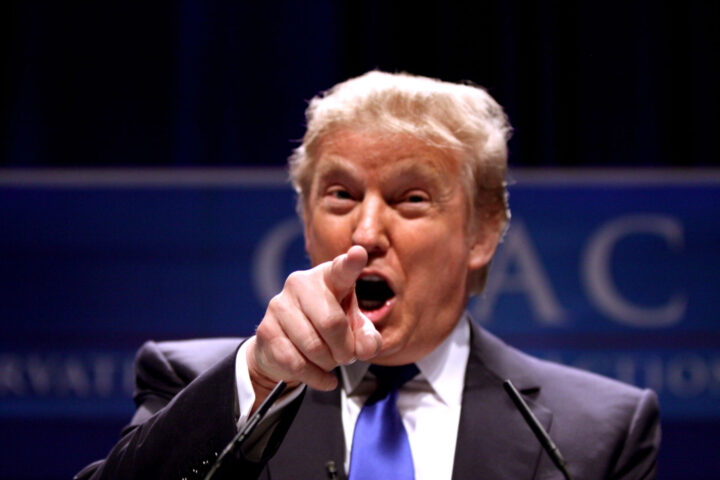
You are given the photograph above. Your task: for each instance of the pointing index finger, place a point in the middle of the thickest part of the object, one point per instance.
(344, 270)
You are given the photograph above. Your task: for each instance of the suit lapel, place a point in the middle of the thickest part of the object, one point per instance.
(314, 438)
(494, 443)
(493, 440)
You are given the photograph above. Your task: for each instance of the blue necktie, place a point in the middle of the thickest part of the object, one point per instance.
(380, 447)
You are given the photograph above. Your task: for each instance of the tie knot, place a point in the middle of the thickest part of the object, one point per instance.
(392, 378)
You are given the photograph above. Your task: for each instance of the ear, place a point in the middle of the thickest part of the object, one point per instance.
(483, 243)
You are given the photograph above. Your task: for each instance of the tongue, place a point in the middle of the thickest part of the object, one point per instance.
(367, 304)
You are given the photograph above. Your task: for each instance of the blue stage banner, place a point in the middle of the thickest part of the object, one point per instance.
(613, 271)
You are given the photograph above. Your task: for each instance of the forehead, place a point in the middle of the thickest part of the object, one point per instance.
(383, 154)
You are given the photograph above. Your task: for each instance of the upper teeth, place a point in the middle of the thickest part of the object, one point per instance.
(373, 278)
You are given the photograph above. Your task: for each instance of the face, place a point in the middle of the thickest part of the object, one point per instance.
(402, 200)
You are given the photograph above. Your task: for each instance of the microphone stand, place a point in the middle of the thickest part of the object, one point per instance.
(237, 442)
(540, 433)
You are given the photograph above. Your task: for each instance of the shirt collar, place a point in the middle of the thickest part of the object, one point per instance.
(443, 368)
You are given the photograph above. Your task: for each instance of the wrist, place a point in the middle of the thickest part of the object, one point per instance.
(262, 383)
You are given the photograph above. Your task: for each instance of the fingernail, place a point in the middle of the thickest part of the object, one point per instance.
(351, 361)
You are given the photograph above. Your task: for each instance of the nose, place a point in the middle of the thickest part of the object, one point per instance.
(370, 230)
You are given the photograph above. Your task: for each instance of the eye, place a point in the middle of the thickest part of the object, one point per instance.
(414, 203)
(339, 193)
(415, 196)
(338, 199)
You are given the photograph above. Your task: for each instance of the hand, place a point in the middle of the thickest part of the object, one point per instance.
(313, 326)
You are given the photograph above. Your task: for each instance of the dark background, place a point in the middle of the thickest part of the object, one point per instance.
(225, 83)
(199, 83)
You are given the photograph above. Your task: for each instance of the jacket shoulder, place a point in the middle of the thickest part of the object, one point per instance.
(533, 373)
(162, 369)
(186, 358)
(599, 423)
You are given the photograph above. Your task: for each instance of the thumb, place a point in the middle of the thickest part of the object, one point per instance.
(367, 339)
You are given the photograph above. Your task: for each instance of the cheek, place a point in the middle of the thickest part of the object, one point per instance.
(325, 239)
(435, 243)
(439, 264)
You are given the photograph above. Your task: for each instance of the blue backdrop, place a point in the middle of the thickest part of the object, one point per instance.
(616, 271)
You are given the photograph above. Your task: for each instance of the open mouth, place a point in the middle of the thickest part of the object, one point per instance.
(372, 292)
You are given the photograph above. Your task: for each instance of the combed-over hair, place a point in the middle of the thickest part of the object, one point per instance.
(462, 118)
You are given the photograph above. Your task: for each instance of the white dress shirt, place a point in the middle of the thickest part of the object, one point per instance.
(429, 404)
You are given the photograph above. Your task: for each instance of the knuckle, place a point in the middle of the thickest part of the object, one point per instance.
(277, 305)
(343, 357)
(296, 365)
(280, 310)
(266, 333)
(262, 333)
(276, 301)
(315, 347)
(284, 354)
(332, 321)
(294, 280)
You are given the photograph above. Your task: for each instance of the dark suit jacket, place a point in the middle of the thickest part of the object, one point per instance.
(186, 413)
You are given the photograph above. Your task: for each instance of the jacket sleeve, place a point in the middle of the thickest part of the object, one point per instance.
(179, 428)
(638, 456)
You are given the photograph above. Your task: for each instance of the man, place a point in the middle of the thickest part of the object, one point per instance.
(402, 196)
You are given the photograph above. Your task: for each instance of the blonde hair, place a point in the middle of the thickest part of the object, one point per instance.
(463, 118)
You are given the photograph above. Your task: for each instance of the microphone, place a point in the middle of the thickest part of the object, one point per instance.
(331, 470)
(237, 442)
(540, 433)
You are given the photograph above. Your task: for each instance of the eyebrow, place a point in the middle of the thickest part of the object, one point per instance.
(411, 165)
(408, 165)
(335, 168)
(333, 164)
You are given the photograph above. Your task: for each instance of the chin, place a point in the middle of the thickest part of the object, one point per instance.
(392, 352)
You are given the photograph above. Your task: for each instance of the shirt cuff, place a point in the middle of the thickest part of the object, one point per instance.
(246, 393)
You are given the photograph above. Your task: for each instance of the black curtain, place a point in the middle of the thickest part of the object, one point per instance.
(198, 83)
